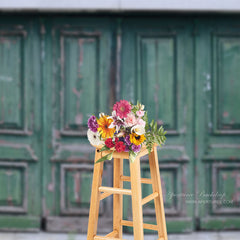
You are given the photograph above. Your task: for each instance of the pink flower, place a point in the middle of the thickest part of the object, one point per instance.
(141, 122)
(140, 113)
(122, 108)
(130, 120)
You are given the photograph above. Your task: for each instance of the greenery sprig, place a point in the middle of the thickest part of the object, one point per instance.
(154, 135)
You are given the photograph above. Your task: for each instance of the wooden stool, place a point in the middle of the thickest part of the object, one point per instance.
(99, 193)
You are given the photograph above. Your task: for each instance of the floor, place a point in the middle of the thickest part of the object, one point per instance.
(230, 235)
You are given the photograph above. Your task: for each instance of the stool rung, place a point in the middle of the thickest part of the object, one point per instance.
(145, 225)
(143, 180)
(108, 238)
(104, 195)
(149, 198)
(112, 234)
(115, 190)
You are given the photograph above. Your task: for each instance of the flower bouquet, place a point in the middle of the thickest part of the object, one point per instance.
(126, 130)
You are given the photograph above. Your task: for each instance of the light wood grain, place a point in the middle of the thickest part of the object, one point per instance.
(106, 238)
(143, 180)
(105, 195)
(145, 225)
(149, 198)
(117, 198)
(100, 192)
(135, 174)
(95, 197)
(115, 190)
(158, 201)
(114, 233)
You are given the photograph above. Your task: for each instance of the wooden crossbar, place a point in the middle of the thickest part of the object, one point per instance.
(104, 195)
(112, 234)
(149, 198)
(143, 180)
(145, 225)
(106, 238)
(161, 238)
(115, 190)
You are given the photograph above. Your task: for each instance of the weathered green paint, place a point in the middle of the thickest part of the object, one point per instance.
(20, 124)
(79, 49)
(217, 122)
(160, 74)
(56, 71)
(220, 223)
(20, 223)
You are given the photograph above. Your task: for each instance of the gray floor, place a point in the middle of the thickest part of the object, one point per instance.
(191, 236)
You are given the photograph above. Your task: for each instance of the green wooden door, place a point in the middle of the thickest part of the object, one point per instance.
(20, 125)
(56, 71)
(157, 68)
(80, 52)
(217, 140)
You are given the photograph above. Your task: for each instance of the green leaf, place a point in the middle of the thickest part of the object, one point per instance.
(106, 157)
(104, 148)
(151, 124)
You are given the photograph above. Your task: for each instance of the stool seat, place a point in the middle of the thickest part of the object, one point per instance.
(100, 192)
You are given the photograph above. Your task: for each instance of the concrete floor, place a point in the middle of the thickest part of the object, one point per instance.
(231, 235)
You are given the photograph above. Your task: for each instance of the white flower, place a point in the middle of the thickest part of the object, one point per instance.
(117, 121)
(94, 138)
(138, 129)
(101, 114)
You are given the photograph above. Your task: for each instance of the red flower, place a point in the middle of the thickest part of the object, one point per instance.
(122, 108)
(120, 147)
(109, 143)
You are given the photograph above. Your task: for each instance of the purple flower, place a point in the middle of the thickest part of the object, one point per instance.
(136, 148)
(92, 124)
(126, 148)
(127, 140)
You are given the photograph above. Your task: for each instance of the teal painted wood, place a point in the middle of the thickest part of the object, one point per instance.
(217, 122)
(160, 74)
(20, 124)
(55, 71)
(80, 52)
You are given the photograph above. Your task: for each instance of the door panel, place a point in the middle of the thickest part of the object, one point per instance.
(157, 69)
(20, 125)
(217, 120)
(81, 50)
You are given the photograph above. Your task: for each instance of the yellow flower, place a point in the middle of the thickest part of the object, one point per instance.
(137, 139)
(104, 123)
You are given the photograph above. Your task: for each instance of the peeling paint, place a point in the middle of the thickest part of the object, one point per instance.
(77, 186)
(2, 110)
(76, 92)
(225, 114)
(6, 79)
(79, 119)
(80, 43)
(51, 185)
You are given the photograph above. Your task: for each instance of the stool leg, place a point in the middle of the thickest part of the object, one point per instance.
(135, 173)
(117, 198)
(158, 202)
(95, 198)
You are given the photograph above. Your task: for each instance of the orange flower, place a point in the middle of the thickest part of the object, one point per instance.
(104, 123)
